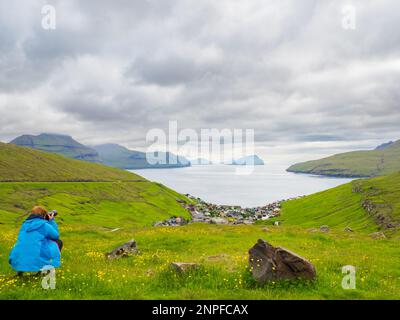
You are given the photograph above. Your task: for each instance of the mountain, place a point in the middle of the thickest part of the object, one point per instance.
(59, 144)
(27, 164)
(384, 145)
(120, 157)
(248, 161)
(372, 163)
(364, 205)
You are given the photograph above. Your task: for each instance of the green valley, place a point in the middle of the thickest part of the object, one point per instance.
(114, 206)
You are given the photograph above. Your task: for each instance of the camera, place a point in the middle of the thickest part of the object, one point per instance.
(55, 213)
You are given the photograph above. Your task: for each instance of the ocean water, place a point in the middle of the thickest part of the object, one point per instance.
(221, 184)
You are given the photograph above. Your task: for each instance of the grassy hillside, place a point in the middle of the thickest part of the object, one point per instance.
(25, 164)
(355, 164)
(99, 204)
(59, 144)
(364, 205)
(86, 222)
(94, 218)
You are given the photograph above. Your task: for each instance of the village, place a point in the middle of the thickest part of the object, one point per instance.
(202, 211)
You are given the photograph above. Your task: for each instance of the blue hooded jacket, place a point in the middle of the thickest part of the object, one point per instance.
(35, 247)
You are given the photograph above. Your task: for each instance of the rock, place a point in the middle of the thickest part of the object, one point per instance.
(378, 235)
(324, 228)
(347, 229)
(217, 257)
(268, 263)
(265, 229)
(172, 222)
(124, 251)
(277, 223)
(183, 267)
(219, 221)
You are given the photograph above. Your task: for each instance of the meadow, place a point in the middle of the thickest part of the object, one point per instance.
(90, 213)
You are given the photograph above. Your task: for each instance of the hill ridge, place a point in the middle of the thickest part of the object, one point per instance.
(23, 164)
(355, 164)
(60, 144)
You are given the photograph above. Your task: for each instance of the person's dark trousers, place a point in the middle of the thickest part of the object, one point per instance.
(59, 243)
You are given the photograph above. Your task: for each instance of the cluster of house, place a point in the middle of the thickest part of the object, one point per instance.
(202, 211)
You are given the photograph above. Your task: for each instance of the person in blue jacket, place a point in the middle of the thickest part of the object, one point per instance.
(38, 243)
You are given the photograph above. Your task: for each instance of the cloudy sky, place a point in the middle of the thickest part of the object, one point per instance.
(112, 70)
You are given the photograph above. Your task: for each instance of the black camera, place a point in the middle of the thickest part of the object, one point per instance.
(54, 212)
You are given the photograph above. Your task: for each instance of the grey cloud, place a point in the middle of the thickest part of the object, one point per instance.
(287, 69)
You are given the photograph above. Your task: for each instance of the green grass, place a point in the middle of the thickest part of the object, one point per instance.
(25, 164)
(89, 211)
(222, 252)
(355, 164)
(102, 204)
(342, 206)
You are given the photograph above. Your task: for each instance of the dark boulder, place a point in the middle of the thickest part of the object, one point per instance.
(127, 249)
(268, 263)
(324, 228)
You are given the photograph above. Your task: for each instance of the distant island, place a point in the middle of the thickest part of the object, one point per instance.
(252, 160)
(383, 160)
(120, 157)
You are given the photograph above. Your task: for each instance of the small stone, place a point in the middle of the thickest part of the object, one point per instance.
(378, 235)
(183, 267)
(265, 229)
(218, 257)
(277, 223)
(324, 228)
(219, 221)
(123, 251)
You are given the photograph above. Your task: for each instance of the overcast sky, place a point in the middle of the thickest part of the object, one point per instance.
(112, 70)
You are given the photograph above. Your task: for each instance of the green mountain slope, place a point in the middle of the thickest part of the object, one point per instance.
(364, 205)
(59, 144)
(120, 157)
(92, 204)
(378, 162)
(26, 164)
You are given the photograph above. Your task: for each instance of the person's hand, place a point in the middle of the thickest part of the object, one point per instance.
(50, 215)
